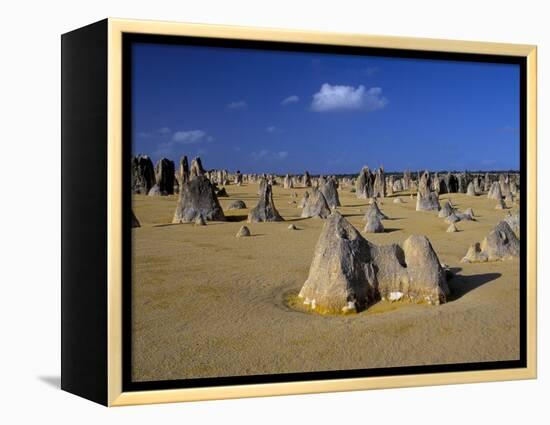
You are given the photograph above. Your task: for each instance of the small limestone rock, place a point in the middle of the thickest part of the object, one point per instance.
(292, 227)
(237, 205)
(398, 201)
(452, 228)
(243, 232)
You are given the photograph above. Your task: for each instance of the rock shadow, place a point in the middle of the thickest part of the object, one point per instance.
(460, 285)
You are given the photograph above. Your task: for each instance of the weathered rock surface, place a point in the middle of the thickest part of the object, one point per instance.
(244, 231)
(374, 210)
(237, 205)
(348, 273)
(196, 168)
(164, 174)
(364, 185)
(330, 192)
(452, 228)
(143, 174)
(265, 209)
(514, 222)
(446, 211)
(500, 244)
(428, 202)
(374, 224)
(197, 198)
(306, 181)
(494, 191)
(315, 205)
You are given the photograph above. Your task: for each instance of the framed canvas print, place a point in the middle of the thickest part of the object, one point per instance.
(252, 212)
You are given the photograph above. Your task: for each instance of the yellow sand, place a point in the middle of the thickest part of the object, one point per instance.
(208, 304)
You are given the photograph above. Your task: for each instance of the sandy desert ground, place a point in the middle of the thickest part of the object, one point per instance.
(208, 304)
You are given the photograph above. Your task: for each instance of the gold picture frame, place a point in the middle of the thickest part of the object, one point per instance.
(114, 232)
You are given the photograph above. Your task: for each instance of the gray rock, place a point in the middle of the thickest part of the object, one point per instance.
(143, 174)
(197, 169)
(494, 191)
(452, 228)
(330, 192)
(446, 211)
(244, 231)
(348, 273)
(428, 202)
(237, 205)
(164, 173)
(315, 205)
(197, 198)
(265, 209)
(500, 244)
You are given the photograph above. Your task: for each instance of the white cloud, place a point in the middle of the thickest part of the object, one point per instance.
(271, 129)
(290, 99)
(267, 155)
(238, 104)
(164, 130)
(186, 137)
(330, 98)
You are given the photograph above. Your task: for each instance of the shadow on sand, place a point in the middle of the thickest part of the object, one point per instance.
(460, 285)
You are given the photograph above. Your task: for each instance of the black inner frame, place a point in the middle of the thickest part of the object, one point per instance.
(129, 385)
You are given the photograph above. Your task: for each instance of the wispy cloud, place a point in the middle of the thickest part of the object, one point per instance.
(163, 131)
(337, 97)
(290, 99)
(187, 137)
(271, 129)
(268, 155)
(237, 104)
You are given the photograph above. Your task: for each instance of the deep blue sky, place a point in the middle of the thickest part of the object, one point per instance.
(227, 105)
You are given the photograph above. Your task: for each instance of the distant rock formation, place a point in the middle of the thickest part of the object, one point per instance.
(143, 174)
(373, 209)
(265, 208)
(429, 202)
(315, 205)
(197, 198)
(348, 273)
(470, 191)
(164, 174)
(237, 205)
(183, 175)
(446, 211)
(379, 186)
(196, 168)
(494, 191)
(364, 185)
(374, 223)
(306, 181)
(288, 183)
(330, 192)
(500, 244)
(303, 201)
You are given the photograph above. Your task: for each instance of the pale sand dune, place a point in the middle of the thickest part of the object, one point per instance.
(208, 304)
